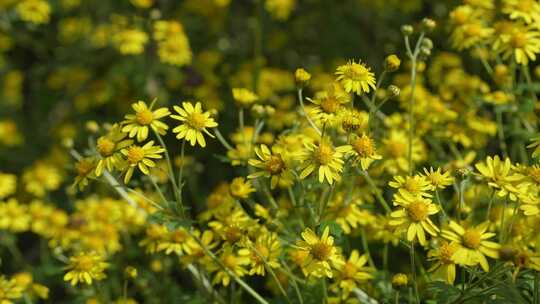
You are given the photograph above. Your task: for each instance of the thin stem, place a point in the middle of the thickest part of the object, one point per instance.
(527, 75)
(301, 100)
(222, 140)
(413, 271)
(440, 204)
(500, 129)
(366, 248)
(490, 204)
(181, 170)
(177, 192)
(325, 291)
(396, 298)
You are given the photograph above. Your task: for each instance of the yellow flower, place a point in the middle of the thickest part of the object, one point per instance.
(34, 11)
(414, 217)
(141, 157)
(351, 273)
(41, 178)
(500, 175)
(324, 158)
(175, 50)
(445, 265)
(130, 41)
(329, 103)
(280, 9)
(321, 254)
(85, 170)
(272, 165)
(233, 262)
(526, 10)
(85, 267)
(244, 97)
(194, 123)
(474, 245)
(175, 241)
(264, 252)
(414, 186)
(155, 234)
(364, 151)
(301, 76)
(142, 3)
(400, 279)
(8, 184)
(108, 147)
(356, 77)
(240, 188)
(9, 290)
(144, 117)
(438, 179)
(522, 43)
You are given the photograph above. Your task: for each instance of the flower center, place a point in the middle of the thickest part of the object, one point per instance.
(473, 30)
(105, 147)
(324, 154)
(84, 167)
(179, 236)
(446, 252)
(417, 211)
(471, 239)
(261, 254)
(349, 270)
(275, 164)
(412, 185)
(364, 146)
(396, 148)
(519, 40)
(229, 261)
(144, 117)
(135, 154)
(321, 251)
(84, 263)
(197, 120)
(330, 104)
(232, 234)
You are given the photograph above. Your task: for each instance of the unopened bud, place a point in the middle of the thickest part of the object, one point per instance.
(391, 63)
(302, 77)
(393, 91)
(399, 280)
(429, 24)
(407, 29)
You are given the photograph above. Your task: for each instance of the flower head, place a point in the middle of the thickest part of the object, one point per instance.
(320, 253)
(356, 77)
(194, 123)
(324, 158)
(85, 267)
(141, 157)
(272, 165)
(144, 118)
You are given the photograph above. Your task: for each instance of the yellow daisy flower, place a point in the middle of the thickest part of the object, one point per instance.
(244, 97)
(356, 77)
(240, 188)
(324, 158)
(474, 245)
(9, 290)
(194, 123)
(414, 217)
(143, 119)
(352, 273)
(8, 184)
(437, 178)
(85, 267)
(522, 43)
(141, 157)
(321, 256)
(108, 148)
(364, 151)
(500, 176)
(233, 261)
(272, 165)
(415, 185)
(445, 265)
(264, 252)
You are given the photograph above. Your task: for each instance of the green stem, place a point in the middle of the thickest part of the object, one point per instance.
(177, 193)
(366, 248)
(378, 194)
(222, 140)
(413, 271)
(301, 100)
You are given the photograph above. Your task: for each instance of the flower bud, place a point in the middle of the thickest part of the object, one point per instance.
(393, 91)
(399, 280)
(130, 272)
(302, 77)
(428, 24)
(427, 43)
(391, 63)
(407, 29)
